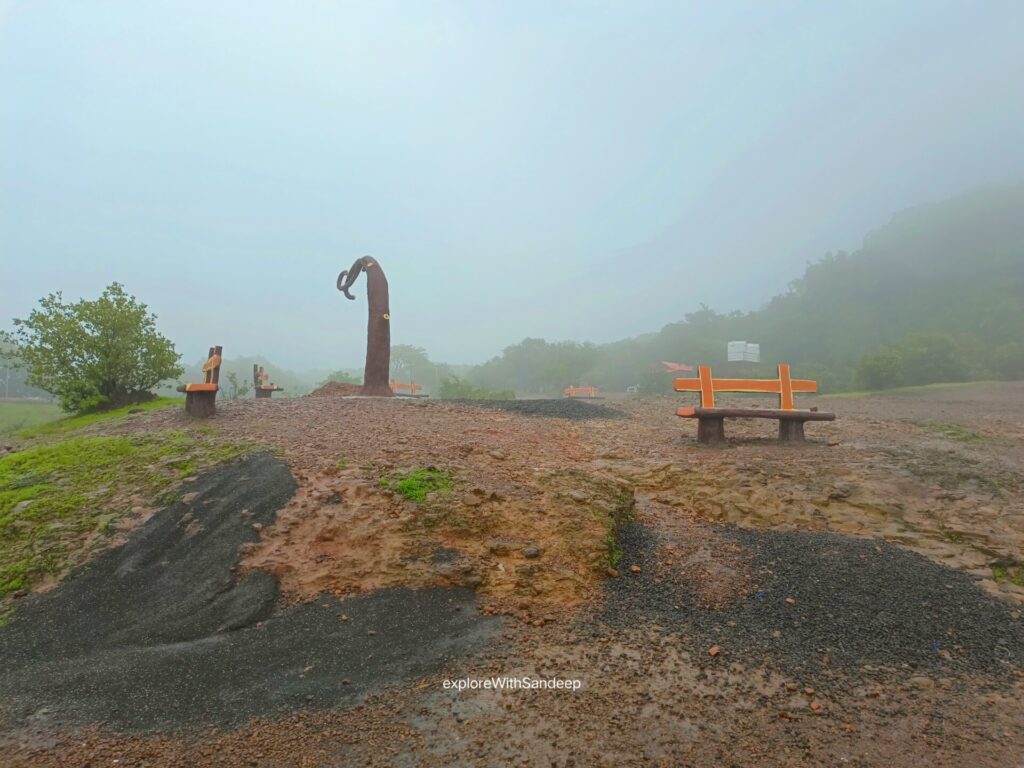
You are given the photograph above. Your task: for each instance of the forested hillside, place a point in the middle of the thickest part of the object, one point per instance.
(937, 294)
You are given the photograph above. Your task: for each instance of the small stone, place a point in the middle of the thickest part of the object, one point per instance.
(922, 683)
(714, 650)
(500, 547)
(21, 506)
(840, 491)
(497, 455)
(613, 573)
(530, 552)
(579, 496)
(808, 691)
(791, 687)
(371, 632)
(816, 706)
(538, 622)
(634, 568)
(342, 617)
(470, 500)
(790, 601)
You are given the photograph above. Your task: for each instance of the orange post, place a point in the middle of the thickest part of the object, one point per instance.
(707, 389)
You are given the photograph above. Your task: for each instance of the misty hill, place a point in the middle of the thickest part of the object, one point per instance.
(937, 294)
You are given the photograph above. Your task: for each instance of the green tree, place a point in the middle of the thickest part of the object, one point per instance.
(455, 388)
(343, 377)
(880, 370)
(931, 358)
(96, 354)
(235, 389)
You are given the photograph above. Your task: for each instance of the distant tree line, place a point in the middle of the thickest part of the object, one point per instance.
(937, 295)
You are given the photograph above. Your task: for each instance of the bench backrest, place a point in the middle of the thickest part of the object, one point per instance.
(581, 391)
(412, 386)
(259, 378)
(211, 368)
(784, 386)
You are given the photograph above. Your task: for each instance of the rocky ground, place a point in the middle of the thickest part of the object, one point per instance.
(853, 601)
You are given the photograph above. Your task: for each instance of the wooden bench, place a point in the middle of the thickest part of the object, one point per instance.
(259, 382)
(590, 392)
(201, 399)
(412, 387)
(710, 419)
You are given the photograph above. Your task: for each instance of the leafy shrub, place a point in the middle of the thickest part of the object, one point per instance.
(457, 389)
(94, 354)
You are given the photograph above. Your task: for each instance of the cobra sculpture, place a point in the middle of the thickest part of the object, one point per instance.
(378, 331)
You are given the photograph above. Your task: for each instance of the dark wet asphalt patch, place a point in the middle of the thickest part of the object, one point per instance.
(160, 634)
(857, 605)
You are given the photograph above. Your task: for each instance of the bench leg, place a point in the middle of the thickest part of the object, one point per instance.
(201, 405)
(710, 431)
(791, 430)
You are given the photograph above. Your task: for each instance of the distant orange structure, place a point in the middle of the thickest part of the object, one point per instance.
(412, 387)
(581, 392)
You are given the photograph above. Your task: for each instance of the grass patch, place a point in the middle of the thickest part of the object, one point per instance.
(341, 464)
(415, 484)
(1011, 573)
(905, 390)
(15, 417)
(71, 423)
(56, 496)
(954, 432)
(954, 537)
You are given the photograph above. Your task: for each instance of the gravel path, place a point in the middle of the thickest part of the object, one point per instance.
(562, 408)
(821, 604)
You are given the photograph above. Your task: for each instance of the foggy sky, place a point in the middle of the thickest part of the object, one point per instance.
(566, 170)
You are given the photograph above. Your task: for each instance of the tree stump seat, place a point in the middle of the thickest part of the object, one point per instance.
(201, 398)
(260, 385)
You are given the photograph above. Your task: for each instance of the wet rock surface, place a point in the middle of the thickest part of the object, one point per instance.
(160, 633)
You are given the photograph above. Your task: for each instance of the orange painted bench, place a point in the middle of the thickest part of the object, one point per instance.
(412, 387)
(710, 419)
(260, 385)
(201, 399)
(581, 392)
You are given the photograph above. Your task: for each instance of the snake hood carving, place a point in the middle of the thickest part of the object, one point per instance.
(378, 330)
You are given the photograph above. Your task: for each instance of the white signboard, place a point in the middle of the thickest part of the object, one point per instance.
(742, 352)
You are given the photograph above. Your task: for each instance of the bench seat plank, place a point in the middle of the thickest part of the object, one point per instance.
(197, 388)
(754, 413)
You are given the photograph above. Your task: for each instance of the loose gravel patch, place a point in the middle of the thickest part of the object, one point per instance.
(159, 633)
(822, 603)
(562, 408)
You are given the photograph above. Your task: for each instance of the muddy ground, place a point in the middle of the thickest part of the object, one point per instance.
(853, 601)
